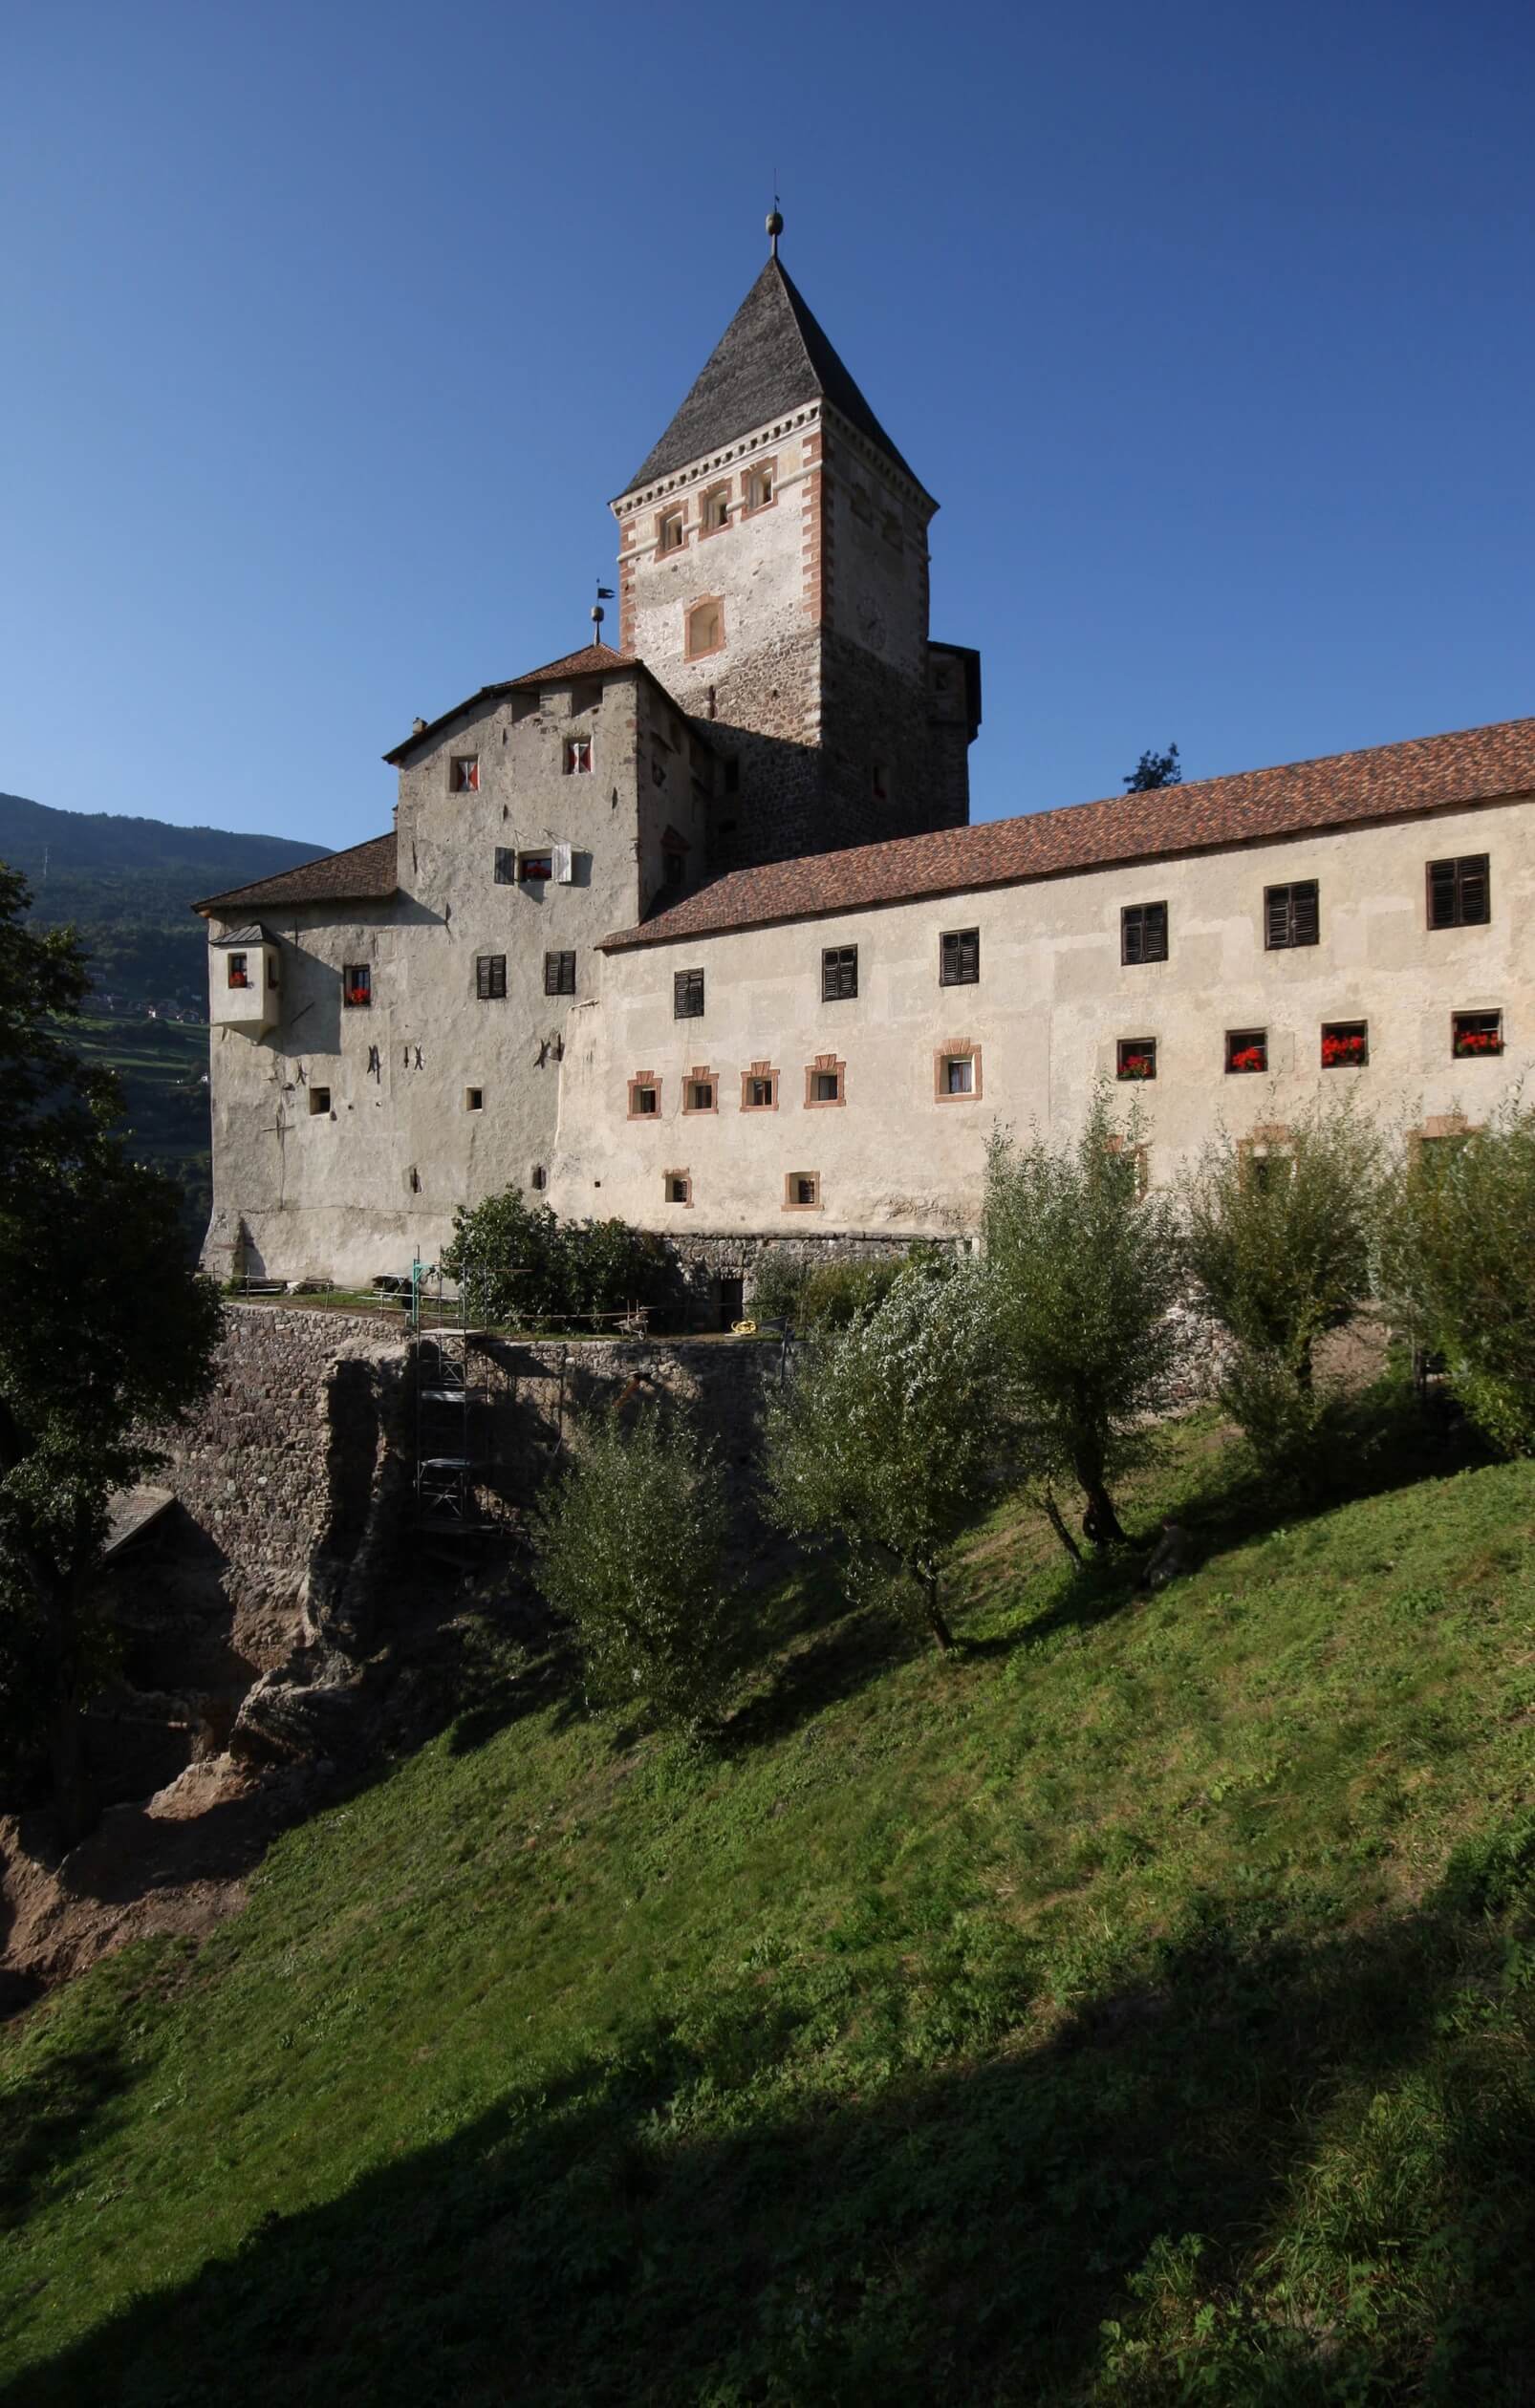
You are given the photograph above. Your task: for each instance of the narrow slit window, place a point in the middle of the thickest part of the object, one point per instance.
(1345, 1045)
(1246, 1050)
(356, 986)
(672, 532)
(1292, 915)
(559, 974)
(1459, 892)
(760, 487)
(960, 958)
(839, 972)
(539, 1177)
(717, 508)
(1135, 1058)
(1476, 1034)
(1143, 933)
(687, 995)
(489, 977)
(474, 1099)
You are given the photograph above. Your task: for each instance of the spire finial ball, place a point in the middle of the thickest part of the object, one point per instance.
(775, 226)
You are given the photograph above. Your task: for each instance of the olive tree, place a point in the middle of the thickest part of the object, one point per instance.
(891, 1431)
(1458, 1263)
(1280, 1247)
(630, 1543)
(1086, 1269)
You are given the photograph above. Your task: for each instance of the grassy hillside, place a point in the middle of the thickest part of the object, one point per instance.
(128, 885)
(1137, 2009)
(162, 1067)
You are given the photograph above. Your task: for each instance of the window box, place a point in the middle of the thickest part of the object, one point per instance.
(1143, 933)
(1459, 892)
(1475, 1034)
(1246, 1050)
(1135, 1058)
(1345, 1045)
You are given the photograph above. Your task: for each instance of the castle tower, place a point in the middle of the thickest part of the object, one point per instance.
(773, 573)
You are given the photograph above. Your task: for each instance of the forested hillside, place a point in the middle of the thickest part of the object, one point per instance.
(127, 885)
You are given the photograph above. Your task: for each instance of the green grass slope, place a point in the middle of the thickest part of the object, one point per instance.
(161, 1068)
(1137, 2009)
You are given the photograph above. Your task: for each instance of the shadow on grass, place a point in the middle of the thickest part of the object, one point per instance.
(1289, 2174)
(48, 2117)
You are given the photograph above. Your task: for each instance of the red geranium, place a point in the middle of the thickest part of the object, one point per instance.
(1249, 1058)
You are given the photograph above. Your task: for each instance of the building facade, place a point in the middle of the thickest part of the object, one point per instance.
(696, 930)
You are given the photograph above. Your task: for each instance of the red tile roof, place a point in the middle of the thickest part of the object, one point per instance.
(1344, 789)
(593, 661)
(364, 873)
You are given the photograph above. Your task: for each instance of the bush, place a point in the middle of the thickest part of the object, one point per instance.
(890, 1432)
(1086, 1272)
(827, 1295)
(1459, 1258)
(630, 1545)
(1280, 1259)
(519, 1263)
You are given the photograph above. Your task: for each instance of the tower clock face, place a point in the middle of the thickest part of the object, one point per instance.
(871, 624)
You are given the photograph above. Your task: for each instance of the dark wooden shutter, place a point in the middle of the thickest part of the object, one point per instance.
(506, 867)
(1304, 912)
(839, 972)
(1474, 884)
(1442, 889)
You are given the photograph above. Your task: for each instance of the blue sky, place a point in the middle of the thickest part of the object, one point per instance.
(331, 331)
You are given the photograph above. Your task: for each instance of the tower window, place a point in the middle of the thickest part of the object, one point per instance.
(463, 773)
(759, 484)
(687, 995)
(716, 509)
(239, 971)
(674, 869)
(839, 972)
(671, 531)
(959, 957)
(489, 977)
(356, 986)
(645, 1097)
(1291, 916)
(577, 756)
(319, 1103)
(559, 974)
(704, 628)
(474, 1099)
(1459, 891)
(1143, 933)
(879, 778)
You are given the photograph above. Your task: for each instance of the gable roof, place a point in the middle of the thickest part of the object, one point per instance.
(593, 661)
(1476, 764)
(364, 873)
(774, 355)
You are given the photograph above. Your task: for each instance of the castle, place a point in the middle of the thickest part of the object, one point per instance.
(696, 930)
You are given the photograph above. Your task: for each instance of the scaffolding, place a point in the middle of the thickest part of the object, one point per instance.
(453, 1411)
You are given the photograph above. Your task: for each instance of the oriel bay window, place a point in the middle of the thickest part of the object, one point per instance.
(1459, 892)
(1143, 933)
(356, 986)
(687, 995)
(839, 972)
(1291, 916)
(959, 957)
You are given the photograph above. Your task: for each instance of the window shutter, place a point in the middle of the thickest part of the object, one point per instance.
(1442, 889)
(1278, 901)
(1305, 918)
(564, 865)
(1473, 889)
(506, 867)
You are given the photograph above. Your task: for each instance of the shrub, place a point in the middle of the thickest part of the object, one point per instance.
(1086, 1269)
(890, 1432)
(1459, 1258)
(520, 1263)
(826, 1295)
(1278, 1258)
(630, 1545)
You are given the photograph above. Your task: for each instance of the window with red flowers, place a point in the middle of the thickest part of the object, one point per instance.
(1135, 1058)
(1476, 1033)
(1247, 1049)
(1345, 1045)
(356, 986)
(239, 973)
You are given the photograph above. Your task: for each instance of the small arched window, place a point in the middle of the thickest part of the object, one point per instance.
(704, 628)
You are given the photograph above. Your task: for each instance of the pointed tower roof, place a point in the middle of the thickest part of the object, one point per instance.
(772, 357)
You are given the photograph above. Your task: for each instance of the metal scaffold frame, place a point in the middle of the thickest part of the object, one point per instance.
(453, 1420)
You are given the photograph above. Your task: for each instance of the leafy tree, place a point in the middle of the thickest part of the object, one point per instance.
(1152, 770)
(826, 1296)
(629, 1544)
(1459, 1260)
(1086, 1271)
(107, 1333)
(1280, 1248)
(890, 1433)
(520, 1263)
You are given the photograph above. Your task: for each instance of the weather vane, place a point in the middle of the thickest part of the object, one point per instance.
(598, 613)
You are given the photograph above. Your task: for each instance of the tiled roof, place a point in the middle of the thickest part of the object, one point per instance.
(364, 873)
(593, 661)
(1344, 789)
(772, 357)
